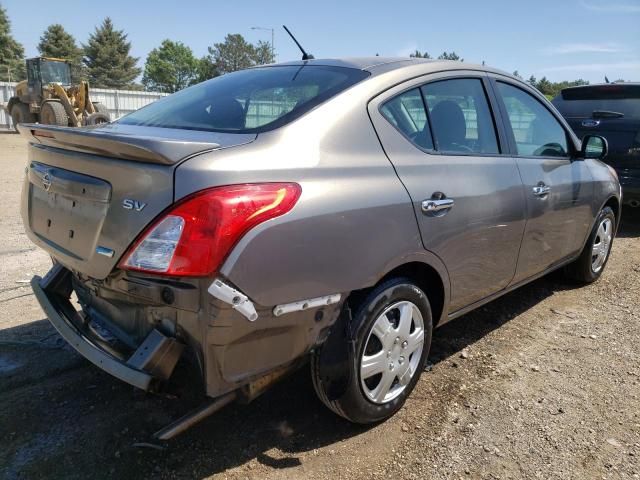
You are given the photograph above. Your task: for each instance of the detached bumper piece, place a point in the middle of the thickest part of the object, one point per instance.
(151, 363)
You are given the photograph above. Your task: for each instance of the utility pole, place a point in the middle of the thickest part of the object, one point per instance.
(273, 34)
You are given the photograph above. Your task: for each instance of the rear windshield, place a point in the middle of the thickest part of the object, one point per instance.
(247, 101)
(583, 101)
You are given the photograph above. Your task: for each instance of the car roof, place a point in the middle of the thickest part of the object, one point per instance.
(592, 86)
(377, 65)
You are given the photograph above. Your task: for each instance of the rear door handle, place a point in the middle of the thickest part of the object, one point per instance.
(433, 206)
(541, 190)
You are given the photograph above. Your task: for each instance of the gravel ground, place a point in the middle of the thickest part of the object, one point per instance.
(542, 383)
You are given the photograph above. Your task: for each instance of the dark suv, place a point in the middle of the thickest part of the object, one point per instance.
(613, 111)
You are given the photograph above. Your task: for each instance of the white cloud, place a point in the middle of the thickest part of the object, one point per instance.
(568, 48)
(594, 67)
(612, 7)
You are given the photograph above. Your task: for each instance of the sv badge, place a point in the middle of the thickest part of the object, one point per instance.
(130, 204)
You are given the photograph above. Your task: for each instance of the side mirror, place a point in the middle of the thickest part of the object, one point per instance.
(594, 146)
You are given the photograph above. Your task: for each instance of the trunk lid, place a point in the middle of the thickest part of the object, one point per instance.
(88, 193)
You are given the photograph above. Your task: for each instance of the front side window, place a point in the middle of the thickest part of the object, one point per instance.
(537, 132)
(460, 116)
(253, 100)
(406, 112)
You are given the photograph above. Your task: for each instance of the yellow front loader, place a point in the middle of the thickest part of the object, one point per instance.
(48, 97)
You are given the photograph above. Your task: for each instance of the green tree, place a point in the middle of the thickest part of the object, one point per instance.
(11, 52)
(107, 58)
(517, 74)
(263, 53)
(206, 69)
(235, 53)
(450, 56)
(58, 43)
(170, 68)
(419, 54)
(545, 86)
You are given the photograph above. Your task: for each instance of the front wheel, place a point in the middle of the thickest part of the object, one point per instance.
(392, 341)
(20, 114)
(53, 113)
(590, 265)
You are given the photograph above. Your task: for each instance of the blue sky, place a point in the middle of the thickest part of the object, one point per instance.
(560, 39)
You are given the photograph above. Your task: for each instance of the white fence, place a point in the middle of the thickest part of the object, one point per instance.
(119, 102)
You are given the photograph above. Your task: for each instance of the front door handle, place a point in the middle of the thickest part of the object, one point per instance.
(437, 206)
(541, 190)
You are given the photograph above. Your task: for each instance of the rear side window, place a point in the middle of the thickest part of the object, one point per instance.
(600, 101)
(460, 116)
(537, 132)
(406, 112)
(247, 101)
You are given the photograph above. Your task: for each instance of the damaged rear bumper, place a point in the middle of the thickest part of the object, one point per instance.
(146, 368)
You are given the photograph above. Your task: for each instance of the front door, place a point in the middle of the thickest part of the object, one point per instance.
(440, 135)
(558, 189)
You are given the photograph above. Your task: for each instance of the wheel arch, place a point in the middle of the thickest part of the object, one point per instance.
(428, 273)
(614, 203)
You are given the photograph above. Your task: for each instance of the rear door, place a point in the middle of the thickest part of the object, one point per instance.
(558, 190)
(440, 135)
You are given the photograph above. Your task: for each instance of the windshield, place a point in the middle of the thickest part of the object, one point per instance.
(248, 101)
(55, 72)
(581, 102)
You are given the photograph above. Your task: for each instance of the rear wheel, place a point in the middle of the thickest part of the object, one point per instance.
(53, 113)
(20, 114)
(97, 118)
(590, 265)
(393, 338)
(101, 108)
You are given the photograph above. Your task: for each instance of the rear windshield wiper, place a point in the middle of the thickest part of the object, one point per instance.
(606, 114)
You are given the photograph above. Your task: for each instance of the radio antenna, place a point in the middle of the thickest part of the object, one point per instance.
(305, 55)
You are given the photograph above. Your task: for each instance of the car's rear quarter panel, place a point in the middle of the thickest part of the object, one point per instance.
(353, 222)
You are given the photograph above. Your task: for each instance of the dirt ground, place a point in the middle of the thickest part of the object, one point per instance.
(542, 383)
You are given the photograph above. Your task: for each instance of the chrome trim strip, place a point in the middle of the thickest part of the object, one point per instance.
(306, 304)
(238, 300)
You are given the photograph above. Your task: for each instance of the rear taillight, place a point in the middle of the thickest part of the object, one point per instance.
(196, 235)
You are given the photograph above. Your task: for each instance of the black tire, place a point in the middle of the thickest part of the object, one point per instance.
(102, 108)
(53, 113)
(20, 114)
(97, 118)
(354, 404)
(582, 269)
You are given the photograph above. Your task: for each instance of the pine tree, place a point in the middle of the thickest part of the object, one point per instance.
(235, 53)
(170, 68)
(450, 56)
(419, 54)
(107, 58)
(11, 52)
(56, 42)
